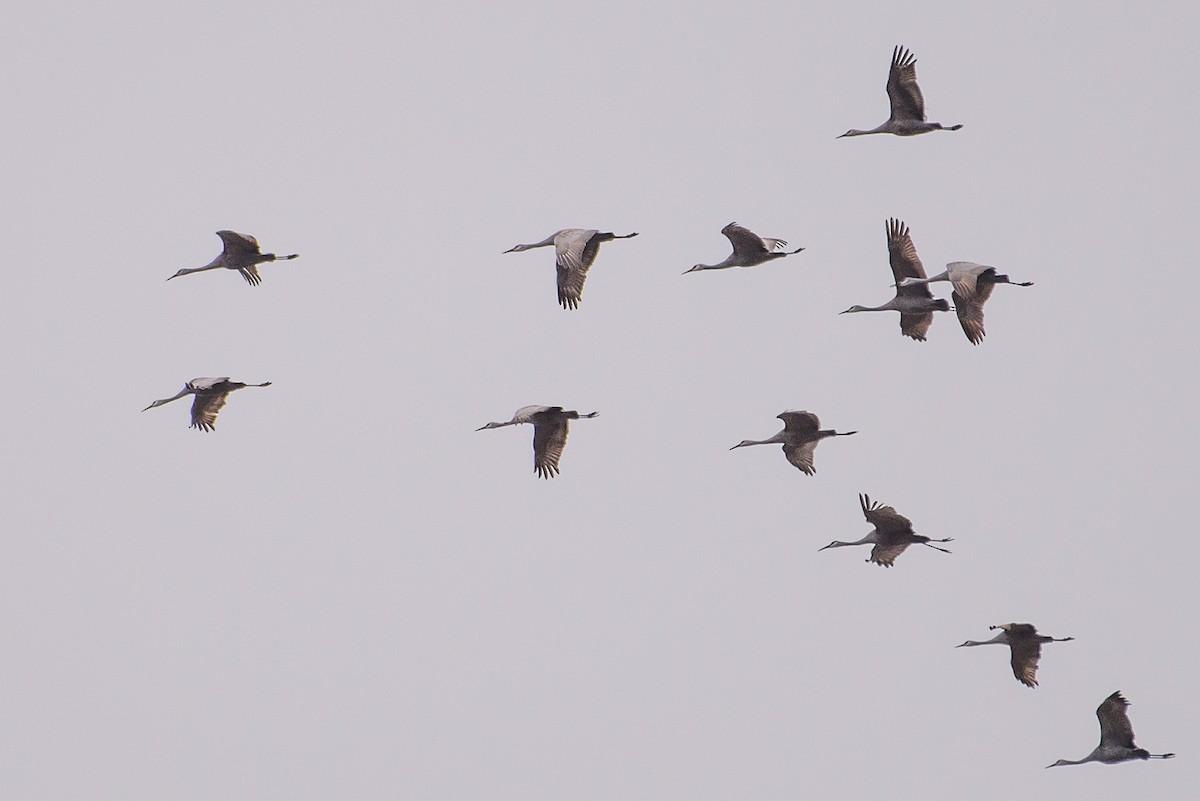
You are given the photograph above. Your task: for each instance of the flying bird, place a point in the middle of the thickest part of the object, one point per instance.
(893, 533)
(915, 302)
(799, 437)
(575, 250)
(210, 396)
(749, 249)
(1026, 645)
(549, 434)
(973, 284)
(907, 102)
(241, 253)
(1116, 736)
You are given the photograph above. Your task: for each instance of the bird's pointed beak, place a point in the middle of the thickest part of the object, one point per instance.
(510, 250)
(148, 408)
(825, 547)
(689, 270)
(960, 645)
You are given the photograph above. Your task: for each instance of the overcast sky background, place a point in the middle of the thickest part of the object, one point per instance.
(347, 592)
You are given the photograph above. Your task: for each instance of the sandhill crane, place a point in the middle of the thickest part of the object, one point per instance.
(1116, 736)
(749, 249)
(240, 253)
(973, 284)
(1026, 645)
(907, 102)
(210, 399)
(799, 437)
(549, 434)
(575, 250)
(892, 534)
(915, 303)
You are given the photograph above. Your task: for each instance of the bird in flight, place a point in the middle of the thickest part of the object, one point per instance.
(210, 395)
(893, 533)
(575, 251)
(550, 425)
(241, 253)
(1026, 645)
(906, 101)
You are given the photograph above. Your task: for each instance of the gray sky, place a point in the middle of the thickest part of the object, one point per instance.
(347, 592)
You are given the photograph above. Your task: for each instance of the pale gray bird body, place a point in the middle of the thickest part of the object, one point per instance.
(1116, 736)
(575, 250)
(915, 302)
(892, 535)
(550, 425)
(210, 395)
(906, 101)
(800, 435)
(241, 252)
(1026, 646)
(749, 249)
(973, 284)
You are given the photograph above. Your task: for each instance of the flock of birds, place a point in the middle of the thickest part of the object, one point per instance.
(892, 533)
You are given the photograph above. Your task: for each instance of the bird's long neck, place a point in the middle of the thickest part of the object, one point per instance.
(778, 438)
(871, 537)
(212, 265)
(882, 128)
(943, 276)
(176, 396)
(999, 639)
(547, 241)
(1089, 758)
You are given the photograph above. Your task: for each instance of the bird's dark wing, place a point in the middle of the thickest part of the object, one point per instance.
(744, 240)
(572, 261)
(1115, 727)
(886, 554)
(799, 422)
(801, 456)
(250, 273)
(886, 520)
(902, 254)
(549, 439)
(205, 408)
(1025, 656)
(239, 244)
(970, 315)
(903, 93)
(916, 325)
